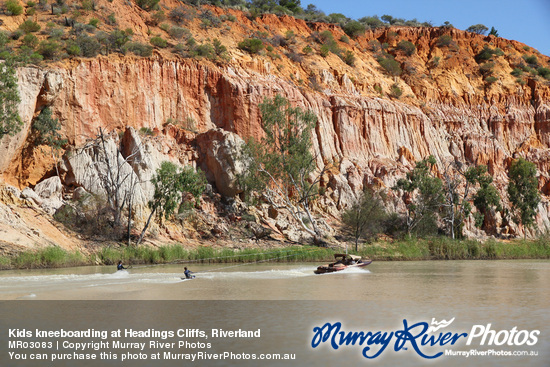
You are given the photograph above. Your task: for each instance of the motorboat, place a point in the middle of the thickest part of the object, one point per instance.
(341, 262)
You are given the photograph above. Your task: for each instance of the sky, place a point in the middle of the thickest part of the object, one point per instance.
(526, 21)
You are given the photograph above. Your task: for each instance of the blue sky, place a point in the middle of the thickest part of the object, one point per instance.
(527, 21)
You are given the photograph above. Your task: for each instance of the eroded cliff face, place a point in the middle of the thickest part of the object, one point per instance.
(371, 139)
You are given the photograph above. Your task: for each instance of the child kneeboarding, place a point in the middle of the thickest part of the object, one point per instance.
(188, 273)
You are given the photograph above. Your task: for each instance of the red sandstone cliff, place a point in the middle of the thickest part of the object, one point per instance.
(446, 110)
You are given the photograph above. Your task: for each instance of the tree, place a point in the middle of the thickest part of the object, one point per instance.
(365, 217)
(46, 132)
(424, 197)
(523, 192)
(169, 183)
(493, 32)
(457, 203)
(354, 29)
(486, 199)
(280, 164)
(10, 122)
(477, 28)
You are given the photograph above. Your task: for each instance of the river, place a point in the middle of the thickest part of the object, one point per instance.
(286, 300)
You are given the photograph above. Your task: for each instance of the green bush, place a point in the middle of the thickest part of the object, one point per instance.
(148, 4)
(28, 26)
(205, 50)
(487, 53)
(531, 60)
(13, 8)
(251, 45)
(30, 40)
(491, 79)
(158, 42)
(140, 49)
(348, 57)
(50, 49)
(344, 39)
(544, 72)
(324, 50)
(94, 22)
(145, 131)
(307, 50)
(517, 72)
(487, 68)
(111, 19)
(74, 50)
(444, 40)
(396, 91)
(179, 15)
(89, 47)
(354, 29)
(391, 66)
(407, 47)
(178, 32)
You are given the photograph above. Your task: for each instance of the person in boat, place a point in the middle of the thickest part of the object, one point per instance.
(120, 266)
(188, 273)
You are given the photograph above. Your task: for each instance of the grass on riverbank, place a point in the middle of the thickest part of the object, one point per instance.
(442, 248)
(438, 248)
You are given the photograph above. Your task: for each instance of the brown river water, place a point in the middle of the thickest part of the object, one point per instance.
(287, 301)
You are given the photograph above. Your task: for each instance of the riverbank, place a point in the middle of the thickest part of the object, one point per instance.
(438, 248)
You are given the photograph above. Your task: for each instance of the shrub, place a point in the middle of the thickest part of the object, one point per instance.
(179, 32)
(517, 72)
(4, 39)
(444, 40)
(29, 26)
(140, 49)
(344, 39)
(251, 45)
(407, 47)
(477, 28)
(73, 49)
(487, 68)
(158, 17)
(491, 79)
(219, 48)
(348, 57)
(13, 8)
(145, 131)
(307, 50)
(531, 60)
(324, 50)
(49, 49)
(94, 22)
(544, 72)
(179, 15)
(326, 36)
(294, 57)
(148, 4)
(396, 91)
(89, 46)
(391, 66)
(354, 29)
(30, 40)
(158, 42)
(205, 50)
(111, 19)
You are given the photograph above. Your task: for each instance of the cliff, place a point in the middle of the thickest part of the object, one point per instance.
(372, 136)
